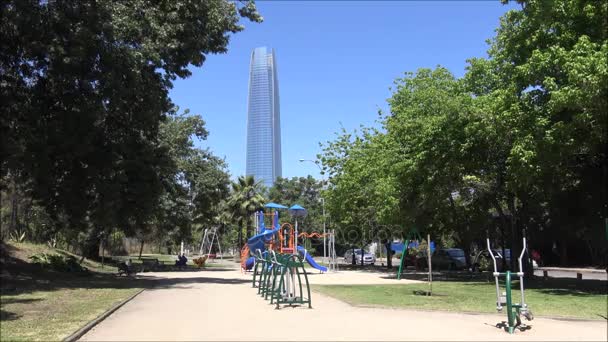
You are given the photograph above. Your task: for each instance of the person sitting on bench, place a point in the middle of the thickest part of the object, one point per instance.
(126, 268)
(181, 261)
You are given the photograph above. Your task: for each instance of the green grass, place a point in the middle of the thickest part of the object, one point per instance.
(544, 299)
(39, 304)
(52, 315)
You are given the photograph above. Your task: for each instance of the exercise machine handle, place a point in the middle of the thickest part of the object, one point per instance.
(521, 276)
(496, 274)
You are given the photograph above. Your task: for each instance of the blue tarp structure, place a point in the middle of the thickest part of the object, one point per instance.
(398, 246)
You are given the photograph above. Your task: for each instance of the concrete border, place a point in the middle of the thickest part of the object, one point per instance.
(83, 330)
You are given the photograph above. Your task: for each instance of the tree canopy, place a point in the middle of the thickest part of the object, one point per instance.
(519, 144)
(84, 88)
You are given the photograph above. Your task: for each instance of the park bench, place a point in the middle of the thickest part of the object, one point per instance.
(125, 269)
(149, 264)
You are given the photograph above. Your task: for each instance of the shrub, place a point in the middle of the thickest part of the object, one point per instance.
(484, 264)
(57, 262)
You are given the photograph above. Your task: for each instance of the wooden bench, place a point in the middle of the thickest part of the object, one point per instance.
(149, 264)
(123, 268)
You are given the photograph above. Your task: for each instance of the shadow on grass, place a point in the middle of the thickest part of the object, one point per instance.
(8, 316)
(553, 286)
(568, 286)
(19, 277)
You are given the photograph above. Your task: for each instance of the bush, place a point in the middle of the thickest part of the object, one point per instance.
(57, 262)
(484, 264)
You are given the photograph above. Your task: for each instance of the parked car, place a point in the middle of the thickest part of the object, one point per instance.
(449, 258)
(368, 258)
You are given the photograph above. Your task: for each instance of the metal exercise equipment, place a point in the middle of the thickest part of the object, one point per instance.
(514, 310)
(281, 278)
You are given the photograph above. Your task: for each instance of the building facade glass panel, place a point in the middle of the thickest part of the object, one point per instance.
(263, 118)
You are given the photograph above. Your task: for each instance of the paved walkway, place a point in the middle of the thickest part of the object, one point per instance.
(220, 304)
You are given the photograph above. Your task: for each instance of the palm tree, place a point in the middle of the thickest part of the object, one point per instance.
(244, 200)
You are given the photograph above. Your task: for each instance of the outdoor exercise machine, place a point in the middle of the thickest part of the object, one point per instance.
(278, 271)
(281, 278)
(514, 310)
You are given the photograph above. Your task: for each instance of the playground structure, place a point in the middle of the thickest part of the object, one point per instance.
(514, 310)
(285, 242)
(331, 248)
(412, 241)
(210, 238)
(277, 261)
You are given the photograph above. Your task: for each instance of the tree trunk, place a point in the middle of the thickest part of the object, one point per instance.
(564, 254)
(515, 241)
(240, 237)
(389, 255)
(249, 228)
(141, 247)
(13, 223)
(503, 223)
(90, 248)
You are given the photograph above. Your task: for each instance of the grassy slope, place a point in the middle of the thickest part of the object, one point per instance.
(543, 299)
(38, 304)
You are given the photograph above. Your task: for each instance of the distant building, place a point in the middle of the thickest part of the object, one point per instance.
(263, 118)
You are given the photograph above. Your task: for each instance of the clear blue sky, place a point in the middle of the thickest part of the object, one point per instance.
(336, 62)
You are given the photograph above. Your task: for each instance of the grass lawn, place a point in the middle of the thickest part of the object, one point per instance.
(553, 298)
(39, 304)
(52, 315)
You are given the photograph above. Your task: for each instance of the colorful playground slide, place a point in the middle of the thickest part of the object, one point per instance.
(257, 242)
(249, 263)
(310, 260)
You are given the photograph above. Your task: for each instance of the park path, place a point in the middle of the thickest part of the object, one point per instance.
(220, 304)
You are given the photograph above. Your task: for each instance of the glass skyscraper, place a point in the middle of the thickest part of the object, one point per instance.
(263, 118)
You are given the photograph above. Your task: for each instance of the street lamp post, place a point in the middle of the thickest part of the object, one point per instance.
(323, 207)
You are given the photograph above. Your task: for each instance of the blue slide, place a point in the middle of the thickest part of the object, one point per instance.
(310, 260)
(258, 242)
(249, 263)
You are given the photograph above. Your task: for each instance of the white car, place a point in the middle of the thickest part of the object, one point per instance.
(368, 258)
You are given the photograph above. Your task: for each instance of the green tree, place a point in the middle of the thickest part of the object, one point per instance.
(84, 87)
(305, 191)
(545, 88)
(245, 199)
(362, 198)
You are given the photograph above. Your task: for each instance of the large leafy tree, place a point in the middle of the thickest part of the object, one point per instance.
(545, 88)
(523, 138)
(194, 183)
(305, 191)
(362, 198)
(84, 86)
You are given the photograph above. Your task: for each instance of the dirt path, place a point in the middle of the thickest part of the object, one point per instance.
(220, 304)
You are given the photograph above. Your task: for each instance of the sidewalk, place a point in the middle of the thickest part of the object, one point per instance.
(221, 305)
(568, 269)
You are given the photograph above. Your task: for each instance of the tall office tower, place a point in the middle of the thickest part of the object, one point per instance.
(263, 118)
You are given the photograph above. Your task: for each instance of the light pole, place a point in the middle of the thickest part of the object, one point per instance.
(323, 206)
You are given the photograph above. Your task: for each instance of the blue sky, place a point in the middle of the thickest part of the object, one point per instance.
(336, 63)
